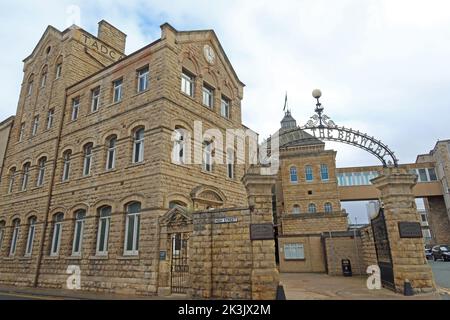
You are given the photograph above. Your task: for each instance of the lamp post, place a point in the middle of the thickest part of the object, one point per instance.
(319, 109)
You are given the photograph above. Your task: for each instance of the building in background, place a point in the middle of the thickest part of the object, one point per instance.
(5, 130)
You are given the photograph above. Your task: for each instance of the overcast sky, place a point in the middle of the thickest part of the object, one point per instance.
(383, 66)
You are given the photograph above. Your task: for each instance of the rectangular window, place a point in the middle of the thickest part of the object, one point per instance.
(132, 229)
(58, 70)
(66, 169)
(26, 174)
(103, 231)
(225, 107)
(41, 173)
(207, 156)
(75, 108)
(30, 88)
(30, 240)
(117, 90)
(142, 76)
(324, 172)
(187, 83)
(35, 126)
(56, 239)
(294, 251)
(208, 96)
(95, 99)
(432, 174)
(78, 233)
(309, 173)
(50, 116)
(12, 178)
(87, 160)
(15, 237)
(426, 233)
(22, 132)
(423, 175)
(230, 164)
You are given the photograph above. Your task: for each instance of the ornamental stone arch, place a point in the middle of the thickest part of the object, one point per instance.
(207, 197)
(177, 198)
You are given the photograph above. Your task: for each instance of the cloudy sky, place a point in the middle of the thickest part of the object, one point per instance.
(383, 65)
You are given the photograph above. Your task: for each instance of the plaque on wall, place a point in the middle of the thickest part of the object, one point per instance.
(410, 230)
(226, 220)
(162, 255)
(261, 231)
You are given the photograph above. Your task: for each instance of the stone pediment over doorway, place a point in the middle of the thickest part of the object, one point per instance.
(176, 216)
(207, 197)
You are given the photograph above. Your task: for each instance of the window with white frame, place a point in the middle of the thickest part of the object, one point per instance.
(179, 148)
(225, 107)
(15, 237)
(25, 176)
(44, 77)
(294, 251)
(30, 238)
(111, 154)
(230, 163)
(132, 227)
(208, 96)
(187, 83)
(103, 230)
(309, 173)
(117, 90)
(87, 163)
(12, 178)
(35, 126)
(30, 85)
(56, 236)
(312, 208)
(296, 209)
(95, 99)
(80, 216)
(2, 232)
(22, 131)
(50, 116)
(58, 70)
(75, 108)
(138, 148)
(426, 233)
(142, 79)
(41, 172)
(324, 172)
(328, 207)
(66, 166)
(293, 174)
(207, 156)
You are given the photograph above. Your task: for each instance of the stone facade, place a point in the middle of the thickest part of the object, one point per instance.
(5, 129)
(438, 220)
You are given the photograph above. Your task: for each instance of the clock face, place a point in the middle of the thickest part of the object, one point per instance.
(209, 53)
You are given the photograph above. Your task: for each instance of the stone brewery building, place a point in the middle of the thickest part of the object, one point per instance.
(96, 180)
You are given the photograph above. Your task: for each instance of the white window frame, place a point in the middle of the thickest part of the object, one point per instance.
(95, 99)
(26, 176)
(107, 220)
(41, 172)
(79, 227)
(117, 90)
(187, 83)
(50, 115)
(43, 79)
(34, 129)
(138, 142)
(22, 131)
(87, 159)
(230, 164)
(293, 172)
(66, 165)
(12, 180)
(75, 108)
(135, 232)
(179, 147)
(295, 209)
(14, 238)
(309, 171)
(56, 236)
(111, 154)
(143, 77)
(208, 96)
(328, 205)
(30, 238)
(324, 170)
(207, 156)
(58, 71)
(310, 206)
(294, 251)
(225, 106)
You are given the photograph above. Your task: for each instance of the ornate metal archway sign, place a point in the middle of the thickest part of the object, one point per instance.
(323, 128)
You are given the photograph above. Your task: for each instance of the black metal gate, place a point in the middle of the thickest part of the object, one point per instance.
(180, 264)
(383, 250)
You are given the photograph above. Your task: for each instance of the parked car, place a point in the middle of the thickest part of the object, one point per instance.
(441, 252)
(428, 253)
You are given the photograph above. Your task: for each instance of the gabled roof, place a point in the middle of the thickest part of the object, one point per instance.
(50, 29)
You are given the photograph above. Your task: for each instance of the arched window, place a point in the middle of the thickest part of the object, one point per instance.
(174, 203)
(230, 163)
(66, 167)
(138, 146)
(328, 207)
(207, 156)
(44, 76)
(12, 178)
(80, 216)
(293, 174)
(15, 237)
(296, 209)
(2, 232)
(132, 228)
(57, 231)
(111, 154)
(179, 147)
(103, 230)
(30, 84)
(309, 173)
(87, 163)
(312, 208)
(31, 233)
(58, 71)
(41, 173)
(26, 176)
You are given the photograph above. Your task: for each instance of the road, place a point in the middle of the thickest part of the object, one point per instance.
(441, 271)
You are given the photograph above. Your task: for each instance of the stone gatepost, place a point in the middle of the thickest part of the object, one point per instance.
(407, 250)
(264, 276)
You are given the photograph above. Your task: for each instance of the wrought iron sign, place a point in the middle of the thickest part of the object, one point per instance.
(324, 128)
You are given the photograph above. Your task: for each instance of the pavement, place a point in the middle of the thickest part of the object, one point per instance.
(441, 272)
(319, 286)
